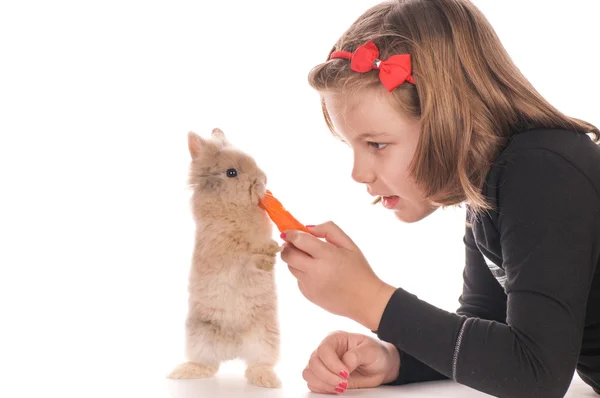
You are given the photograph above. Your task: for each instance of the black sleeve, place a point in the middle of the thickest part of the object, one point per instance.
(549, 225)
(482, 297)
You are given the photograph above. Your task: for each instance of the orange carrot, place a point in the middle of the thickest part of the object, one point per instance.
(279, 215)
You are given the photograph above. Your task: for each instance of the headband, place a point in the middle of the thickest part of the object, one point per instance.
(392, 72)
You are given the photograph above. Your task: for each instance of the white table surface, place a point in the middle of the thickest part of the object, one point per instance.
(230, 382)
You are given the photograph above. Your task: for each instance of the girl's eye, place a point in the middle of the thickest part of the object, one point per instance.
(377, 145)
(231, 173)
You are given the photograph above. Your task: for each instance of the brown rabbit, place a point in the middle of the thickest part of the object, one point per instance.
(232, 301)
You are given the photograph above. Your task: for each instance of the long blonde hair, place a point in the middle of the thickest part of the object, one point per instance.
(468, 94)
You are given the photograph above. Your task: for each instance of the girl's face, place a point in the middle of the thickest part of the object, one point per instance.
(383, 142)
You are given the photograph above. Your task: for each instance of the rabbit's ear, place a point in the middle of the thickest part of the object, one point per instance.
(196, 144)
(219, 136)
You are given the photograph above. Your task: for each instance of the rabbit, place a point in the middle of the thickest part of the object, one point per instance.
(232, 300)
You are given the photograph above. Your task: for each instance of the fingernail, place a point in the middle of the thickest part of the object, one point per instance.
(344, 374)
(337, 389)
(310, 226)
(283, 235)
(343, 385)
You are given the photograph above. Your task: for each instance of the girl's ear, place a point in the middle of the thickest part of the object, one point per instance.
(196, 144)
(219, 136)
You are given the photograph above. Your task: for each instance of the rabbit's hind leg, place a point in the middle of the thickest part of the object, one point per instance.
(260, 350)
(205, 351)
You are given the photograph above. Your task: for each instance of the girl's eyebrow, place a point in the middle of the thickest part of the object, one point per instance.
(372, 134)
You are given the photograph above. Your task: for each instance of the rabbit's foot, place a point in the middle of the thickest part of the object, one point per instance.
(262, 376)
(191, 370)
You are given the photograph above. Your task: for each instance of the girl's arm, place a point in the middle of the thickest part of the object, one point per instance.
(482, 297)
(549, 227)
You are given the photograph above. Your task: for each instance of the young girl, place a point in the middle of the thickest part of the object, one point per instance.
(437, 115)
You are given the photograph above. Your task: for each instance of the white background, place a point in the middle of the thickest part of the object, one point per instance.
(96, 99)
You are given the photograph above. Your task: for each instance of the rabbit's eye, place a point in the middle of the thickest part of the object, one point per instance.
(231, 173)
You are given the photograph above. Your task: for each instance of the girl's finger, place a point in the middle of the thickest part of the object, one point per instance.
(328, 353)
(332, 380)
(297, 273)
(333, 234)
(301, 288)
(317, 385)
(308, 243)
(294, 257)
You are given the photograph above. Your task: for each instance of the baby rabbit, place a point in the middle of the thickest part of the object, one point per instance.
(232, 304)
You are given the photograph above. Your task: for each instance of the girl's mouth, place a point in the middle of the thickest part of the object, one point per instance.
(389, 202)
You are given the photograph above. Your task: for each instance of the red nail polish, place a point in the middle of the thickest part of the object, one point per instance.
(343, 385)
(283, 235)
(337, 389)
(344, 374)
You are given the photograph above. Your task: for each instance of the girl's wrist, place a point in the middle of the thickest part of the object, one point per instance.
(372, 304)
(393, 368)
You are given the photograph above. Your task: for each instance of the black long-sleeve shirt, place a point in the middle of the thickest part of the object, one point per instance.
(529, 313)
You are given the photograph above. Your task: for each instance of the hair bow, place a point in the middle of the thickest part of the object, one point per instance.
(392, 72)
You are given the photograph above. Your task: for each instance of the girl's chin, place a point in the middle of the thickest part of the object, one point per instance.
(409, 214)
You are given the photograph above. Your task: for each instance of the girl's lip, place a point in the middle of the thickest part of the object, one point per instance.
(389, 202)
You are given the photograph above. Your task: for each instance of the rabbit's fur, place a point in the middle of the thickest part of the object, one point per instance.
(232, 301)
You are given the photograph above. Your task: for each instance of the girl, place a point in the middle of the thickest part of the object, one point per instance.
(437, 115)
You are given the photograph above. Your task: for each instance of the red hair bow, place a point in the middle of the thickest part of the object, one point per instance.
(392, 72)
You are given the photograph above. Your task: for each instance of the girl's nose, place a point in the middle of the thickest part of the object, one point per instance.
(361, 173)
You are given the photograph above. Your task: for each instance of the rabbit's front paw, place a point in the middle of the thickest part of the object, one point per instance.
(265, 262)
(272, 248)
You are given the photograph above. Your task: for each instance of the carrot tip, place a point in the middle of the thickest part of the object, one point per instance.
(279, 215)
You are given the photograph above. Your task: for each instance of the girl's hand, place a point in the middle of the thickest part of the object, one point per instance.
(335, 275)
(368, 362)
